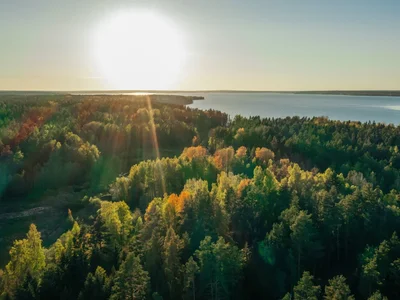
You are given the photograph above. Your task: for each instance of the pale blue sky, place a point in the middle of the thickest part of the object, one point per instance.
(241, 45)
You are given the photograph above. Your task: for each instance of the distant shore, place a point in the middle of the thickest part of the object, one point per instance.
(353, 93)
(160, 98)
(390, 93)
(175, 99)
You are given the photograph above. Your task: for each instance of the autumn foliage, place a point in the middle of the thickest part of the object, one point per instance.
(33, 119)
(292, 208)
(178, 202)
(194, 152)
(223, 158)
(244, 183)
(264, 154)
(241, 152)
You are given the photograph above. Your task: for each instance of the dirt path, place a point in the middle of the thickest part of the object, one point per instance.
(25, 213)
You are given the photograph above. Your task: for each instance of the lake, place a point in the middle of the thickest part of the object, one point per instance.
(337, 107)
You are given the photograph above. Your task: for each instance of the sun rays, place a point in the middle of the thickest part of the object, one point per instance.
(154, 139)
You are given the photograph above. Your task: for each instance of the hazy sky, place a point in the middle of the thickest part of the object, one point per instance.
(241, 45)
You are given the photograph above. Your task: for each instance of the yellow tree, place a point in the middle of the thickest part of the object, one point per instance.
(27, 258)
(118, 220)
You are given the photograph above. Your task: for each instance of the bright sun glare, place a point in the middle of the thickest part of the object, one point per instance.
(138, 50)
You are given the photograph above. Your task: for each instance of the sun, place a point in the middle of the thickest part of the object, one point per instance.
(138, 50)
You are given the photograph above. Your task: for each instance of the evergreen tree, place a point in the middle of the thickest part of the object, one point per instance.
(303, 237)
(337, 289)
(305, 288)
(28, 289)
(131, 281)
(377, 296)
(191, 270)
(172, 267)
(221, 266)
(97, 286)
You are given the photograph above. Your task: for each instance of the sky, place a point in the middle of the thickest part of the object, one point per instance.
(228, 45)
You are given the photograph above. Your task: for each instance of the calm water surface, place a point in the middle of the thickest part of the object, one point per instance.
(336, 107)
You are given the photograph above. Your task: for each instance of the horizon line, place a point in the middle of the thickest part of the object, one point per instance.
(196, 91)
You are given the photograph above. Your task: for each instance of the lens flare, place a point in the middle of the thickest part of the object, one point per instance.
(154, 139)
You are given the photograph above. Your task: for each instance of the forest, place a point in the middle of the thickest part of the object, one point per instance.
(141, 199)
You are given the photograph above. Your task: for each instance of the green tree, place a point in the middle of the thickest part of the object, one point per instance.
(380, 267)
(118, 221)
(221, 267)
(97, 286)
(287, 296)
(152, 236)
(338, 289)
(172, 267)
(131, 281)
(377, 296)
(191, 270)
(303, 235)
(28, 289)
(27, 257)
(305, 288)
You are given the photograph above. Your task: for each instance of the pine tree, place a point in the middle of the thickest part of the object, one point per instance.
(28, 289)
(36, 252)
(338, 289)
(220, 267)
(305, 288)
(172, 267)
(377, 296)
(191, 270)
(97, 286)
(303, 237)
(131, 281)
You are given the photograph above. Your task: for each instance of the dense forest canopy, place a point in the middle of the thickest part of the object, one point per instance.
(159, 201)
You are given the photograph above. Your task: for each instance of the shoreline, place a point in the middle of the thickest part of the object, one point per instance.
(159, 98)
(370, 93)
